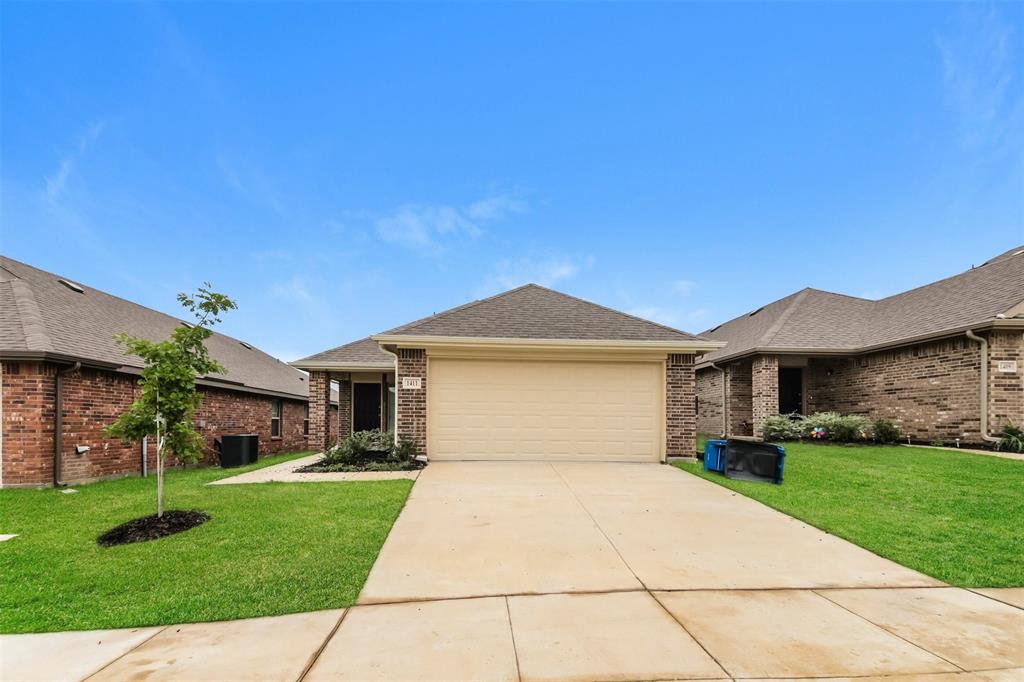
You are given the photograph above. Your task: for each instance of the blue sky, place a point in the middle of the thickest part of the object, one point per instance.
(342, 168)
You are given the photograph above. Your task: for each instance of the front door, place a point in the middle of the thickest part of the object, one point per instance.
(791, 390)
(365, 407)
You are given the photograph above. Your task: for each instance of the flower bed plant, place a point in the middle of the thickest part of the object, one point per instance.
(830, 426)
(374, 450)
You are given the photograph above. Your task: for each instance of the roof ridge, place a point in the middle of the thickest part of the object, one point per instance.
(37, 337)
(613, 310)
(974, 268)
(415, 323)
(776, 326)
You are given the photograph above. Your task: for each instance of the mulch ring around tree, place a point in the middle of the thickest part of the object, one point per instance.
(152, 527)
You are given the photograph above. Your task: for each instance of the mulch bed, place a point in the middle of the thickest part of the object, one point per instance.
(152, 527)
(322, 467)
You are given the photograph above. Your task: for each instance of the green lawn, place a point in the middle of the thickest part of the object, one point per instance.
(957, 517)
(268, 549)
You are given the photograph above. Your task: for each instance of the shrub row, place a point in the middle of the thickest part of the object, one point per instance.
(839, 428)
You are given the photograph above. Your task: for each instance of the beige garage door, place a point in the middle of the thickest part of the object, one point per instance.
(544, 410)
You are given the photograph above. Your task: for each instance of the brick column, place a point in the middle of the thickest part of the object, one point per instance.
(344, 409)
(737, 396)
(411, 403)
(680, 408)
(319, 410)
(1005, 388)
(764, 389)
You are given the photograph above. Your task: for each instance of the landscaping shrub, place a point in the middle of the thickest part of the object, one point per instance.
(884, 431)
(374, 450)
(836, 427)
(784, 427)
(1011, 438)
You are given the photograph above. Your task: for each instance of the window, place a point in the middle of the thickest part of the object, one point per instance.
(305, 422)
(275, 419)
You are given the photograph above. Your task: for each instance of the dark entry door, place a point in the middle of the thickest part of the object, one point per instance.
(365, 407)
(791, 390)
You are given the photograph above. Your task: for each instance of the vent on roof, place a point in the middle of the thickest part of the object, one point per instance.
(187, 324)
(245, 344)
(71, 285)
(756, 311)
(715, 329)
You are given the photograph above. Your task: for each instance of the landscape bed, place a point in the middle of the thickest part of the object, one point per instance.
(958, 517)
(267, 549)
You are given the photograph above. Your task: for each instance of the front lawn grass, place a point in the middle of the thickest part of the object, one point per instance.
(957, 517)
(269, 549)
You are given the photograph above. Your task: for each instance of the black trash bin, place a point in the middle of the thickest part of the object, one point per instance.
(238, 449)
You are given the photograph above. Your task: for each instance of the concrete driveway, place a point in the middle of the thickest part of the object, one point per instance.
(531, 571)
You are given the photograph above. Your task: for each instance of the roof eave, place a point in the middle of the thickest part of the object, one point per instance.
(681, 346)
(321, 366)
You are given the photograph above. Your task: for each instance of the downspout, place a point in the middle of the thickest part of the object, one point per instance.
(984, 385)
(394, 427)
(58, 426)
(725, 401)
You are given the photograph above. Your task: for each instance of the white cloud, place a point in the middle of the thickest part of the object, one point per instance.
(683, 287)
(978, 65)
(425, 228)
(295, 290)
(57, 182)
(546, 270)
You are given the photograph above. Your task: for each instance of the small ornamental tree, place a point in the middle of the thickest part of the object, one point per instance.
(168, 383)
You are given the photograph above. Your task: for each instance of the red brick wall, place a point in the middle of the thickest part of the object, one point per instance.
(411, 408)
(319, 411)
(764, 390)
(709, 402)
(344, 426)
(931, 390)
(680, 410)
(92, 400)
(1005, 389)
(27, 392)
(740, 394)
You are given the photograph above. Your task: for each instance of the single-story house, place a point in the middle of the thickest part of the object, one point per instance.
(528, 374)
(944, 361)
(63, 378)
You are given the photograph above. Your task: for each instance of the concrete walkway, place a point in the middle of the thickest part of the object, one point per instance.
(529, 571)
(285, 473)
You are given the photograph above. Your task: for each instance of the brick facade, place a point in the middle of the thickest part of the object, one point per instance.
(680, 406)
(931, 390)
(411, 407)
(319, 410)
(764, 391)
(93, 399)
(710, 407)
(344, 425)
(739, 395)
(1005, 389)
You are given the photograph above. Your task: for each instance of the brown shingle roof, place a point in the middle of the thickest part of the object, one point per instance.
(535, 312)
(358, 354)
(39, 316)
(813, 320)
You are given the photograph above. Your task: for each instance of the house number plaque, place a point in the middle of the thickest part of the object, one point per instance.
(1008, 366)
(412, 382)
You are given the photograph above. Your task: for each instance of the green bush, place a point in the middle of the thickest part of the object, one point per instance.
(363, 447)
(784, 427)
(836, 427)
(884, 431)
(1011, 438)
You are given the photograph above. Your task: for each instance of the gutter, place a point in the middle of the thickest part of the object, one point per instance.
(983, 343)
(58, 440)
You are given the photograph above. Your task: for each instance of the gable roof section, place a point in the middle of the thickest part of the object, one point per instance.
(535, 312)
(364, 354)
(42, 318)
(820, 321)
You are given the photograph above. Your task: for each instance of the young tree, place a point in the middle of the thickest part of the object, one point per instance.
(168, 382)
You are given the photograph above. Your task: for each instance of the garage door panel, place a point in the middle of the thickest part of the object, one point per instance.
(591, 411)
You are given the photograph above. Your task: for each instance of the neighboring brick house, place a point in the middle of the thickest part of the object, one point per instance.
(57, 346)
(529, 374)
(915, 358)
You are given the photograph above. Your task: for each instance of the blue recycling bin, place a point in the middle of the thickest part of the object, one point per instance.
(714, 455)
